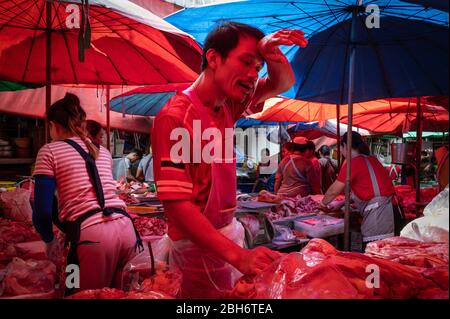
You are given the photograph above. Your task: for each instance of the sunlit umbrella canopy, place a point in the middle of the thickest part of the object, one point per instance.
(128, 44)
(402, 118)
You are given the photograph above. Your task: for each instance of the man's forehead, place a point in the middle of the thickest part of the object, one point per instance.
(248, 47)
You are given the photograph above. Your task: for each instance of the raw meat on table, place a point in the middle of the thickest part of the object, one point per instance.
(24, 277)
(296, 206)
(111, 293)
(104, 293)
(150, 226)
(428, 258)
(301, 275)
(410, 252)
(16, 232)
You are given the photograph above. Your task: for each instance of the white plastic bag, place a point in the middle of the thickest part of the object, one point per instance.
(434, 226)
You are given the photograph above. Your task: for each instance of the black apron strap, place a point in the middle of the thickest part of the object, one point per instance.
(92, 171)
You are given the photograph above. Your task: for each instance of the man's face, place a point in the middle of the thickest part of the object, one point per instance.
(237, 74)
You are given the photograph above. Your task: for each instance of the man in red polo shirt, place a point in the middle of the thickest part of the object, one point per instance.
(194, 162)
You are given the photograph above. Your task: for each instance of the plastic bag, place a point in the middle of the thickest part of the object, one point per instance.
(283, 235)
(434, 226)
(17, 205)
(205, 275)
(144, 273)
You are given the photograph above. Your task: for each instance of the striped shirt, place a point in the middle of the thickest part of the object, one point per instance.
(76, 194)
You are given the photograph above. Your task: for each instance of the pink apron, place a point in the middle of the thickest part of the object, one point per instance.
(205, 275)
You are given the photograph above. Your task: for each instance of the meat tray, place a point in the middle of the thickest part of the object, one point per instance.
(320, 226)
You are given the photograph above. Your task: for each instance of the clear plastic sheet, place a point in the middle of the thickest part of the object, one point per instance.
(319, 271)
(205, 275)
(140, 276)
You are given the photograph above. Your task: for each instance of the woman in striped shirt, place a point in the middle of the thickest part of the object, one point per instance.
(102, 240)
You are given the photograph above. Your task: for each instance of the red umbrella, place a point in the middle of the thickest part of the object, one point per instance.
(401, 119)
(43, 42)
(129, 45)
(293, 110)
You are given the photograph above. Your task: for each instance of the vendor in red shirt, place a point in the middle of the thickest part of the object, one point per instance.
(199, 194)
(311, 155)
(372, 190)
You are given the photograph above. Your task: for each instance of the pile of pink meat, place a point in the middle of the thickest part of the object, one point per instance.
(296, 206)
(24, 267)
(139, 283)
(150, 226)
(319, 271)
(430, 259)
(126, 189)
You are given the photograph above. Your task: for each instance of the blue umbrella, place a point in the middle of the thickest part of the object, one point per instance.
(436, 4)
(402, 58)
(146, 101)
(249, 122)
(310, 16)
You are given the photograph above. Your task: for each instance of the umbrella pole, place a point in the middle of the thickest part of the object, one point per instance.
(351, 80)
(48, 66)
(281, 143)
(108, 128)
(418, 155)
(338, 133)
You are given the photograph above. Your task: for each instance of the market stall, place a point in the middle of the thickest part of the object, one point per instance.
(320, 260)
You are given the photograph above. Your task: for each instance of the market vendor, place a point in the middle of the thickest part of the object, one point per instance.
(329, 168)
(310, 154)
(296, 174)
(198, 190)
(263, 172)
(145, 168)
(95, 132)
(100, 233)
(122, 166)
(372, 191)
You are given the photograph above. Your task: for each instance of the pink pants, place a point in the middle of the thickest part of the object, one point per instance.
(101, 263)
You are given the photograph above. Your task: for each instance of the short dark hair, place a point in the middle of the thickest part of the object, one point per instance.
(93, 127)
(325, 150)
(137, 151)
(225, 37)
(357, 143)
(311, 146)
(299, 147)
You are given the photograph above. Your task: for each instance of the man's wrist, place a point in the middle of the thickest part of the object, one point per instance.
(233, 256)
